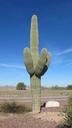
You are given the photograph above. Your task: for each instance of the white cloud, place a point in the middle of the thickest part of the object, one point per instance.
(65, 51)
(12, 66)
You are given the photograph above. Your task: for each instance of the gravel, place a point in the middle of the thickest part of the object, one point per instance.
(26, 121)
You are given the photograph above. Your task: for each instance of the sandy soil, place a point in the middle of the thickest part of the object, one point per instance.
(50, 116)
(30, 120)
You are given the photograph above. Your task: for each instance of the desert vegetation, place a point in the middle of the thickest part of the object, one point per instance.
(20, 86)
(13, 107)
(68, 114)
(69, 87)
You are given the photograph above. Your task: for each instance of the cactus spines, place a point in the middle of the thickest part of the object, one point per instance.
(36, 65)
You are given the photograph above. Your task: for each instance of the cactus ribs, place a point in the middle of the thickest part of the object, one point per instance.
(36, 65)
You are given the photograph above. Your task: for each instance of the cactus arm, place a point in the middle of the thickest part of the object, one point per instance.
(46, 65)
(41, 62)
(48, 59)
(28, 61)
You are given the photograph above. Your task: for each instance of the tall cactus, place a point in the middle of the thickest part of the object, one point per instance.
(36, 65)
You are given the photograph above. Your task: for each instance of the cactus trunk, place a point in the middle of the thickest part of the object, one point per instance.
(36, 93)
(34, 80)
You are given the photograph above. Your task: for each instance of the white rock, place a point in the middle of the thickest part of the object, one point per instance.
(52, 104)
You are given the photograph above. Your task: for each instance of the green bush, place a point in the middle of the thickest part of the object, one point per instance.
(20, 86)
(68, 114)
(69, 87)
(13, 108)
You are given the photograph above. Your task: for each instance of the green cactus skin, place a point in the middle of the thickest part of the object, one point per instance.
(36, 65)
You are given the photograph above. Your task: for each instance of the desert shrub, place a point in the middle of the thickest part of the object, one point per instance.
(69, 87)
(20, 86)
(57, 87)
(13, 107)
(68, 114)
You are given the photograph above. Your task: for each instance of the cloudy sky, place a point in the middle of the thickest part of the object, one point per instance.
(55, 34)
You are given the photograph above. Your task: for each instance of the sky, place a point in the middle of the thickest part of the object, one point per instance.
(55, 34)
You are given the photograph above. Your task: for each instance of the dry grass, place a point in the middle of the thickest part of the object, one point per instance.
(57, 92)
(13, 92)
(27, 93)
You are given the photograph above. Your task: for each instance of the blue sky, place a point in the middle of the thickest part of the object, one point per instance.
(55, 34)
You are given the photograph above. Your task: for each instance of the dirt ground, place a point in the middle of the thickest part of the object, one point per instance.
(30, 120)
(48, 118)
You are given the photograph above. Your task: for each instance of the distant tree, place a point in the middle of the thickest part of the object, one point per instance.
(55, 87)
(69, 87)
(20, 86)
(58, 87)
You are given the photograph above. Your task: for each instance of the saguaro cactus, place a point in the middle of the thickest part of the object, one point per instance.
(36, 65)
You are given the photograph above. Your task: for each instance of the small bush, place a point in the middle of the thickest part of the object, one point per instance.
(20, 86)
(68, 114)
(13, 108)
(69, 87)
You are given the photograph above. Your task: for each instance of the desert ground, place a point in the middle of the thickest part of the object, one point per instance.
(48, 118)
(29, 120)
